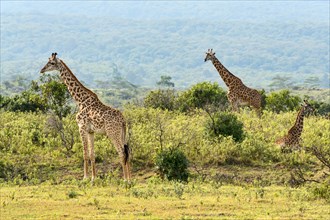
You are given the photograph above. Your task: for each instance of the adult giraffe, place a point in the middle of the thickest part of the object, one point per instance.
(238, 93)
(93, 116)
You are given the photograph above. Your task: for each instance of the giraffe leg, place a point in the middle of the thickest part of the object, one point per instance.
(127, 158)
(124, 167)
(116, 138)
(92, 154)
(84, 139)
(234, 105)
(256, 105)
(233, 101)
(128, 165)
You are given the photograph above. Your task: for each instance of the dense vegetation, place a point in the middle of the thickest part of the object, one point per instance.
(40, 142)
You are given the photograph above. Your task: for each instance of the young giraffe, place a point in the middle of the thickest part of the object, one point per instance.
(93, 116)
(238, 93)
(292, 139)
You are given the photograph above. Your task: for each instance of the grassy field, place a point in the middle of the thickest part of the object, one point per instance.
(157, 199)
(40, 175)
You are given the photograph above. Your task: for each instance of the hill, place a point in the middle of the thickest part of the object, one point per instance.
(142, 41)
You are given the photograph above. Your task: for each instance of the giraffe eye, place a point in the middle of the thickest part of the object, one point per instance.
(52, 63)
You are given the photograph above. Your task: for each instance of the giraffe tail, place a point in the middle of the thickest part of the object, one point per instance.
(126, 153)
(127, 150)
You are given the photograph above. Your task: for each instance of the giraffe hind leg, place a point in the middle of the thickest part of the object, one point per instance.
(116, 138)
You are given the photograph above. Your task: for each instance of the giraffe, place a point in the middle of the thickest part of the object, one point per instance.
(292, 139)
(93, 116)
(238, 93)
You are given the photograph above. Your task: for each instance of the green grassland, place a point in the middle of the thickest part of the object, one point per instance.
(157, 199)
(41, 177)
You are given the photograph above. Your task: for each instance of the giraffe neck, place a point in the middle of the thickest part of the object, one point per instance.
(78, 92)
(299, 124)
(227, 76)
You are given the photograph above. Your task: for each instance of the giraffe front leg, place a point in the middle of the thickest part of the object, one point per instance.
(84, 140)
(233, 101)
(92, 154)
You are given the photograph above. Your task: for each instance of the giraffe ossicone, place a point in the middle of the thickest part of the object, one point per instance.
(93, 117)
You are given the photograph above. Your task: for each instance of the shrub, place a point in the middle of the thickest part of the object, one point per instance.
(282, 101)
(163, 99)
(322, 190)
(321, 108)
(172, 164)
(6, 170)
(205, 95)
(225, 124)
(72, 194)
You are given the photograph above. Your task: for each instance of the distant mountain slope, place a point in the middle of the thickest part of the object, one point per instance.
(145, 40)
(160, 10)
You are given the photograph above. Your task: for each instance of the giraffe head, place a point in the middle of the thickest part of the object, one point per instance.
(53, 64)
(308, 108)
(209, 55)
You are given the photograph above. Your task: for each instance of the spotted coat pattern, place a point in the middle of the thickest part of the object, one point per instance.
(292, 140)
(93, 116)
(238, 93)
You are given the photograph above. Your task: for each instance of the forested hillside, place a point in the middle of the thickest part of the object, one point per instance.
(141, 42)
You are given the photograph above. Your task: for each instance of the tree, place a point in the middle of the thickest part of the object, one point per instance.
(281, 82)
(165, 81)
(312, 82)
(55, 93)
(50, 94)
(27, 101)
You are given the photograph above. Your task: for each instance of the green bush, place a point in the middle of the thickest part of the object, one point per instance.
(163, 99)
(172, 164)
(205, 95)
(322, 190)
(321, 108)
(282, 101)
(6, 170)
(225, 124)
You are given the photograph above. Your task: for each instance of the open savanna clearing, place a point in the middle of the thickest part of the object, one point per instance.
(157, 199)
